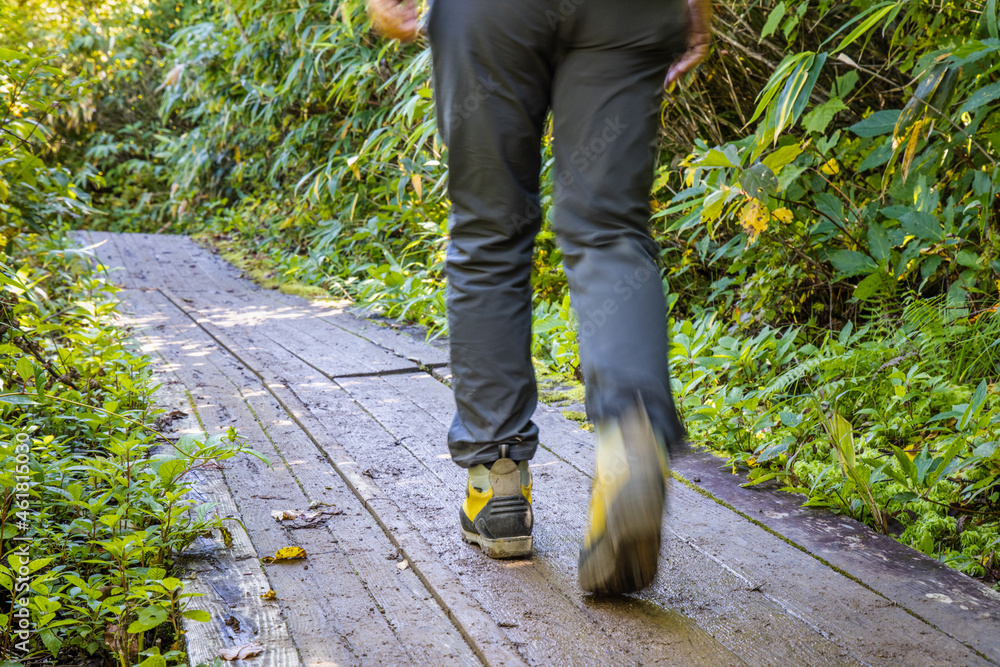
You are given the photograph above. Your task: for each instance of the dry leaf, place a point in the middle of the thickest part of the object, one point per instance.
(287, 553)
(270, 595)
(240, 652)
(305, 519)
(403, 564)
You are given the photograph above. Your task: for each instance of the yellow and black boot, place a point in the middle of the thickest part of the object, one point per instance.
(622, 544)
(496, 513)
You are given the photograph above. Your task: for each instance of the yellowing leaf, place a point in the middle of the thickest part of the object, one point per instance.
(417, 185)
(287, 553)
(270, 595)
(782, 215)
(830, 168)
(754, 218)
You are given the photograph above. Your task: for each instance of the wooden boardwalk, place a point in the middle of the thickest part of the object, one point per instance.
(353, 417)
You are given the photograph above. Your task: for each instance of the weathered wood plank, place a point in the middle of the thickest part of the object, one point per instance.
(475, 624)
(252, 321)
(340, 314)
(354, 543)
(958, 605)
(232, 581)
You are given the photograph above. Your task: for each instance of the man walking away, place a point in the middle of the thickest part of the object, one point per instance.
(599, 66)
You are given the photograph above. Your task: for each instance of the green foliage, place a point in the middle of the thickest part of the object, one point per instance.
(93, 503)
(33, 195)
(895, 424)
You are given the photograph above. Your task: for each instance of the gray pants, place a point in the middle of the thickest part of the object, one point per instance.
(499, 66)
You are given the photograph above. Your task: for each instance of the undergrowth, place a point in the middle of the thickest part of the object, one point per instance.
(93, 502)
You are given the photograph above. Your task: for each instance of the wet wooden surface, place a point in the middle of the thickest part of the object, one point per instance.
(352, 417)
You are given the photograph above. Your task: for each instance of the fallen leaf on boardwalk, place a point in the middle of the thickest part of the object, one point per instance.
(240, 652)
(270, 595)
(305, 519)
(288, 553)
(403, 564)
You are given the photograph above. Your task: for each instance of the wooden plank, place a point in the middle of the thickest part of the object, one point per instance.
(354, 542)
(468, 616)
(232, 581)
(556, 625)
(711, 600)
(139, 265)
(788, 574)
(956, 604)
(406, 343)
(252, 321)
(210, 270)
(423, 628)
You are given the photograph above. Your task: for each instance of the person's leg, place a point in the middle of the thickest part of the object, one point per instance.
(606, 101)
(492, 77)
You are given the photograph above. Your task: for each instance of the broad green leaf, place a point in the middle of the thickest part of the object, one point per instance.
(724, 158)
(981, 97)
(153, 661)
(10, 54)
(198, 615)
(851, 262)
(26, 370)
(871, 285)
(818, 119)
(922, 225)
(877, 124)
(51, 641)
(783, 156)
(16, 399)
(147, 619)
(878, 241)
(759, 182)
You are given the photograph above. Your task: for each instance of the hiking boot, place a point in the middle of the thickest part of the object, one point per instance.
(496, 513)
(622, 545)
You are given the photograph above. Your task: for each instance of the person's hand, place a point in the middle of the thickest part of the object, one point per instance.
(699, 37)
(396, 19)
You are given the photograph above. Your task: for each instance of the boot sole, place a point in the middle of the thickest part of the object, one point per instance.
(509, 547)
(624, 559)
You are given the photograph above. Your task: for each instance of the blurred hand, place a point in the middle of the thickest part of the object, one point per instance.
(396, 19)
(699, 37)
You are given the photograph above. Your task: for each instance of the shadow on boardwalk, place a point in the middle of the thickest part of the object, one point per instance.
(353, 417)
